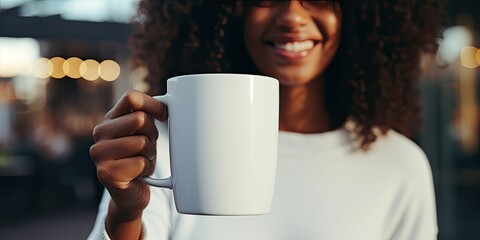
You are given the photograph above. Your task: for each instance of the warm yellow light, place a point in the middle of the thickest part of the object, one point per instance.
(89, 70)
(477, 56)
(71, 67)
(42, 68)
(109, 70)
(57, 71)
(467, 57)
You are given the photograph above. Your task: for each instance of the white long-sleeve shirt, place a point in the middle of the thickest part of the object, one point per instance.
(325, 189)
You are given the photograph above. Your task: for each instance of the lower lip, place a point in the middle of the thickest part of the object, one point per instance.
(291, 55)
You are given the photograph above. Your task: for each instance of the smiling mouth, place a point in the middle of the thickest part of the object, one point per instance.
(293, 46)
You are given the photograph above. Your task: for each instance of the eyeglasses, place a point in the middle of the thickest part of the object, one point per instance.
(307, 4)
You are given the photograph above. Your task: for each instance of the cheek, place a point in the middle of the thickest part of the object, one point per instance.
(329, 23)
(249, 22)
(254, 25)
(333, 24)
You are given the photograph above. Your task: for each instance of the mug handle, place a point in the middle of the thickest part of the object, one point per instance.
(165, 182)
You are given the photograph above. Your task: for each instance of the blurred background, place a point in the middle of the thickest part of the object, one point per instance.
(64, 63)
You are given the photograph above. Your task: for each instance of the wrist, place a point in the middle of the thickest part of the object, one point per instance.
(130, 203)
(117, 213)
(123, 224)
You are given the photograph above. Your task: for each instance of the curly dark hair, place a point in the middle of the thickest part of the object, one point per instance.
(375, 71)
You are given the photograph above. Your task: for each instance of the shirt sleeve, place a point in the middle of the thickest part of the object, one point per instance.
(419, 219)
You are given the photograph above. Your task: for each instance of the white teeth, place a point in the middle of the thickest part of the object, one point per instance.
(295, 46)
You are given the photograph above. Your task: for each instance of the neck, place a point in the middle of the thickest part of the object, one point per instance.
(303, 108)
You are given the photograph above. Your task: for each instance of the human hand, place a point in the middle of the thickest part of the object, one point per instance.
(125, 150)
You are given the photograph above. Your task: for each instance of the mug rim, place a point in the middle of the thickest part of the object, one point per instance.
(223, 74)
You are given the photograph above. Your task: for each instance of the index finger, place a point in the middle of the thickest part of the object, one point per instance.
(134, 100)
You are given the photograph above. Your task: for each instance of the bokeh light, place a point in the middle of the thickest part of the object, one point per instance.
(57, 71)
(71, 67)
(17, 56)
(42, 68)
(89, 70)
(468, 57)
(477, 56)
(109, 70)
(454, 38)
(75, 68)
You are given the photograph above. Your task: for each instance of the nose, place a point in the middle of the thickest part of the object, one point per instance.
(292, 16)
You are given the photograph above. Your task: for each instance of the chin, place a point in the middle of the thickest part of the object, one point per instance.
(293, 78)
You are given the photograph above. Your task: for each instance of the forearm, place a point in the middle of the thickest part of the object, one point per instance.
(123, 225)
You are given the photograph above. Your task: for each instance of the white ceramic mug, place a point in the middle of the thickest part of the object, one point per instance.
(223, 133)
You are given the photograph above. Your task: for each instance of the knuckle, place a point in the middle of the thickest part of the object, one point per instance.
(143, 143)
(130, 92)
(96, 133)
(140, 163)
(103, 174)
(94, 152)
(132, 96)
(140, 119)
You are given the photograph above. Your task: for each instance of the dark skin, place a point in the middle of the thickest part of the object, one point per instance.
(300, 110)
(125, 150)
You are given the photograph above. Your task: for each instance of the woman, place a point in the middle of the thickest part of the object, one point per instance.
(348, 73)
